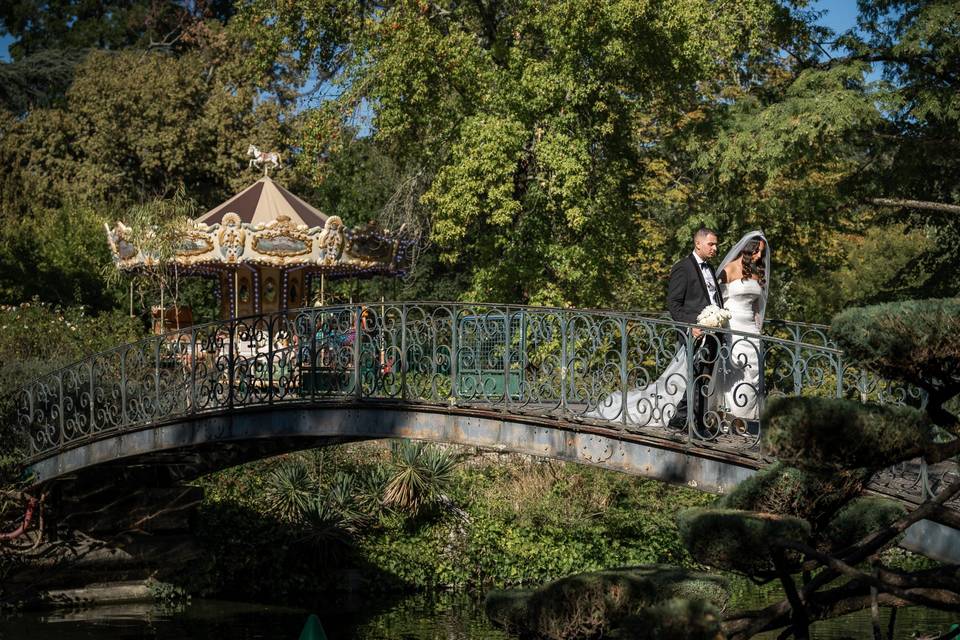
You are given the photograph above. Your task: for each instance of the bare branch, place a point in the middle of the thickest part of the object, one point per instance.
(942, 207)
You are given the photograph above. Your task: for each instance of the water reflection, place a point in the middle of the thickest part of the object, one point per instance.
(445, 617)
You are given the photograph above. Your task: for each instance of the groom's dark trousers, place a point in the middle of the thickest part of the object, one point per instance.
(687, 296)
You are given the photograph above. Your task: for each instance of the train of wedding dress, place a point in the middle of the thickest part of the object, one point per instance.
(734, 386)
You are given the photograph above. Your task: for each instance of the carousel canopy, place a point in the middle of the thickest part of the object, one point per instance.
(263, 202)
(266, 225)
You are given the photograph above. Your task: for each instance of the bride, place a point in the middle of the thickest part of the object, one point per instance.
(744, 286)
(734, 389)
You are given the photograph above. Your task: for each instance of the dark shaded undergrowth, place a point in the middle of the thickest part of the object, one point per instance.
(372, 517)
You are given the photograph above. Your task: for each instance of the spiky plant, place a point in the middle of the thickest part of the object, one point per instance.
(324, 533)
(420, 475)
(289, 491)
(343, 496)
(371, 487)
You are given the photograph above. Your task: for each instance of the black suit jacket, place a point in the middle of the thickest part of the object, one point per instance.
(687, 293)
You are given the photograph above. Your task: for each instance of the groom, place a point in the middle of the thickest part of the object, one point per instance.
(693, 286)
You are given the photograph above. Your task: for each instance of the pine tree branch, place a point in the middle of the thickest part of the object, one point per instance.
(773, 616)
(940, 597)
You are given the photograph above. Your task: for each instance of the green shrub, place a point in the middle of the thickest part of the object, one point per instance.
(917, 341)
(508, 609)
(289, 491)
(740, 541)
(789, 491)
(826, 435)
(675, 619)
(510, 522)
(420, 475)
(587, 605)
(862, 517)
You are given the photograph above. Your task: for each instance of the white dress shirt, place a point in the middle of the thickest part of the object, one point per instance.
(708, 278)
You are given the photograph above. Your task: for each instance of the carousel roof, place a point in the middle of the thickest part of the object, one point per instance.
(264, 201)
(266, 225)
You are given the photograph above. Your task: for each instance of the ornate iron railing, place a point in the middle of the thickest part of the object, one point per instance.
(593, 367)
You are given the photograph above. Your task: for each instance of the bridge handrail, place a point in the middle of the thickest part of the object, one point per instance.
(543, 361)
(657, 317)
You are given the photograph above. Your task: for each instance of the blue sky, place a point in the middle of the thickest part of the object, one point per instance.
(840, 16)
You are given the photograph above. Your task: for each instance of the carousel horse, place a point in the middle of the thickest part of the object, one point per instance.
(259, 157)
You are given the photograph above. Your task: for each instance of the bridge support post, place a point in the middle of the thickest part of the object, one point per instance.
(564, 328)
(690, 345)
(506, 359)
(231, 364)
(270, 358)
(624, 407)
(454, 355)
(193, 370)
(63, 435)
(156, 374)
(403, 351)
(357, 339)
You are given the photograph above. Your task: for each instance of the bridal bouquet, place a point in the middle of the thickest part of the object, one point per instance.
(713, 316)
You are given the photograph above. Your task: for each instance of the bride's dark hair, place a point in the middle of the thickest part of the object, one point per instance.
(750, 267)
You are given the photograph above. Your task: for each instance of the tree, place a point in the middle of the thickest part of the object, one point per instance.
(530, 124)
(806, 515)
(115, 24)
(132, 126)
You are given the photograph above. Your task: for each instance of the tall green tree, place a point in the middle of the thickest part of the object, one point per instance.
(532, 123)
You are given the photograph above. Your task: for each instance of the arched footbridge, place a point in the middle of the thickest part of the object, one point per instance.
(582, 386)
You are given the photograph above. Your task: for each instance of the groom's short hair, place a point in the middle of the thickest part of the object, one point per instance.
(703, 232)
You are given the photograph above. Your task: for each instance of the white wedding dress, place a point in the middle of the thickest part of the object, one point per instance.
(737, 373)
(735, 384)
(654, 404)
(734, 388)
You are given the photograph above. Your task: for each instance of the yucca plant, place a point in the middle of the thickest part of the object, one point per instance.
(289, 491)
(420, 475)
(325, 534)
(342, 496)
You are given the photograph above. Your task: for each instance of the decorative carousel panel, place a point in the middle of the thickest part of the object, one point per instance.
(281, 239)
(123, 250)
(281, 246)
(194, 243)
(278, 243)
(330, 242)
(232, 238)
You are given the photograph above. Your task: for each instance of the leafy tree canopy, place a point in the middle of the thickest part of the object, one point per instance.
(534, 124)
(114, 24)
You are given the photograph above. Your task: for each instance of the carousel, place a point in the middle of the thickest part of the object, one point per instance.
(266, 251)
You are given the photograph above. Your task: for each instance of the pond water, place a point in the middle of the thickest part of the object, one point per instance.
(415, 618)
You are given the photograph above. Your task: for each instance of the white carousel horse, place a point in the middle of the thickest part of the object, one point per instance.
(259, 157)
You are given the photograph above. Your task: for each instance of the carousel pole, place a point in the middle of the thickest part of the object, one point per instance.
(236, 293)
(131, 297)
(323, 288)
